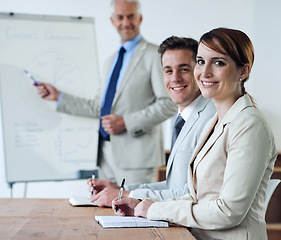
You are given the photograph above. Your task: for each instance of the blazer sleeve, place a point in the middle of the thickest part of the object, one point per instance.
(250, 159)
(79, 106)
(158, 191)
(141, 191)
(162, 108)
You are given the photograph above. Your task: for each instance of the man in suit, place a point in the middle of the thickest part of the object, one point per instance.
(178, 60)
(131, 107)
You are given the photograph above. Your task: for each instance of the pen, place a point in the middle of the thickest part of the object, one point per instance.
(121, 191)
(28, 74)
(93, 186)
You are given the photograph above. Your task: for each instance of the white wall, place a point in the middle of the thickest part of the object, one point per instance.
(260, 19)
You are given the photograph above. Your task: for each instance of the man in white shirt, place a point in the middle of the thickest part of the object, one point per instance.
(178, 61)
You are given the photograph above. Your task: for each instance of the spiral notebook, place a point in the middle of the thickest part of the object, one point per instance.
(128, 222)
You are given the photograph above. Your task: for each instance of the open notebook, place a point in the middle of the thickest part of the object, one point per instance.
(79, 201)
(128, 222)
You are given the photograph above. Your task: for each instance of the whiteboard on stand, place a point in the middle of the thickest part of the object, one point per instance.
(41, 144)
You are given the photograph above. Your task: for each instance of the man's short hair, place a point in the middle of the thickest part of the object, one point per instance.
(179, 43)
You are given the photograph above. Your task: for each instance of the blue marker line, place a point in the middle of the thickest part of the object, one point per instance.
(31, 77)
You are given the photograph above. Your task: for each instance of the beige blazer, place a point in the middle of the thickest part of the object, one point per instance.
(142, 100)
(228, 177)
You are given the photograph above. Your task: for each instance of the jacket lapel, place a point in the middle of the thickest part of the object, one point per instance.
(201, 150)
(210, 142)
(203, 137)
(137, 56)
(186, 129)
(183, 133)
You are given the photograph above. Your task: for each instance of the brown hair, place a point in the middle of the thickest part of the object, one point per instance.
(179, 43)
(233, 43)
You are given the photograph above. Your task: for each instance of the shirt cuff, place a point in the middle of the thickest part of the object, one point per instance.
(59, 99)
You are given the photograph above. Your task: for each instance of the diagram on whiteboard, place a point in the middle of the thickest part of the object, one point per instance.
(59, 70)
(73, 151)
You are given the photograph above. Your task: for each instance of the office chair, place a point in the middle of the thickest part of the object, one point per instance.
(272, 184)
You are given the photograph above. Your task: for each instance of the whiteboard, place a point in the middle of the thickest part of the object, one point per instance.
(41, 144)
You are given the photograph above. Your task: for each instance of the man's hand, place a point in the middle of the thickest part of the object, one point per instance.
(47, 91)
(113, 124)
(104, 192)
(142, 208)
(126, 206)
(101, 185)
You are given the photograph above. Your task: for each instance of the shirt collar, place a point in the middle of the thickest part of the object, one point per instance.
(188, 110)
(131, 44)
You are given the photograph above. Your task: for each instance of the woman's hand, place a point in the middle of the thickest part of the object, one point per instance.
(126, 206)
(142, 208)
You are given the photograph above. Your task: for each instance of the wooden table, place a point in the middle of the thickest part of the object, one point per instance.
(46, 219)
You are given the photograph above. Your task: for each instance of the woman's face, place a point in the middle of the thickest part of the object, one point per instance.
(217, 75)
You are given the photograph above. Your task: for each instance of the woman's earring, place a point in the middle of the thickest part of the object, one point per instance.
(241, 79)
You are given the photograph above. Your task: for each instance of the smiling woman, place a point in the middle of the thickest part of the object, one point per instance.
(228, 173)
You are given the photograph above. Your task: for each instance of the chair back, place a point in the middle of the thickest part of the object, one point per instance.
(272, 185)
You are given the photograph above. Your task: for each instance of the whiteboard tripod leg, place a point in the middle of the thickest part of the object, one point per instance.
(11, 191)
(25, 190)
(11, 184)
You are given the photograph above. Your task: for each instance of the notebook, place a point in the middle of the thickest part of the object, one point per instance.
(79, 201)
(128, 222)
